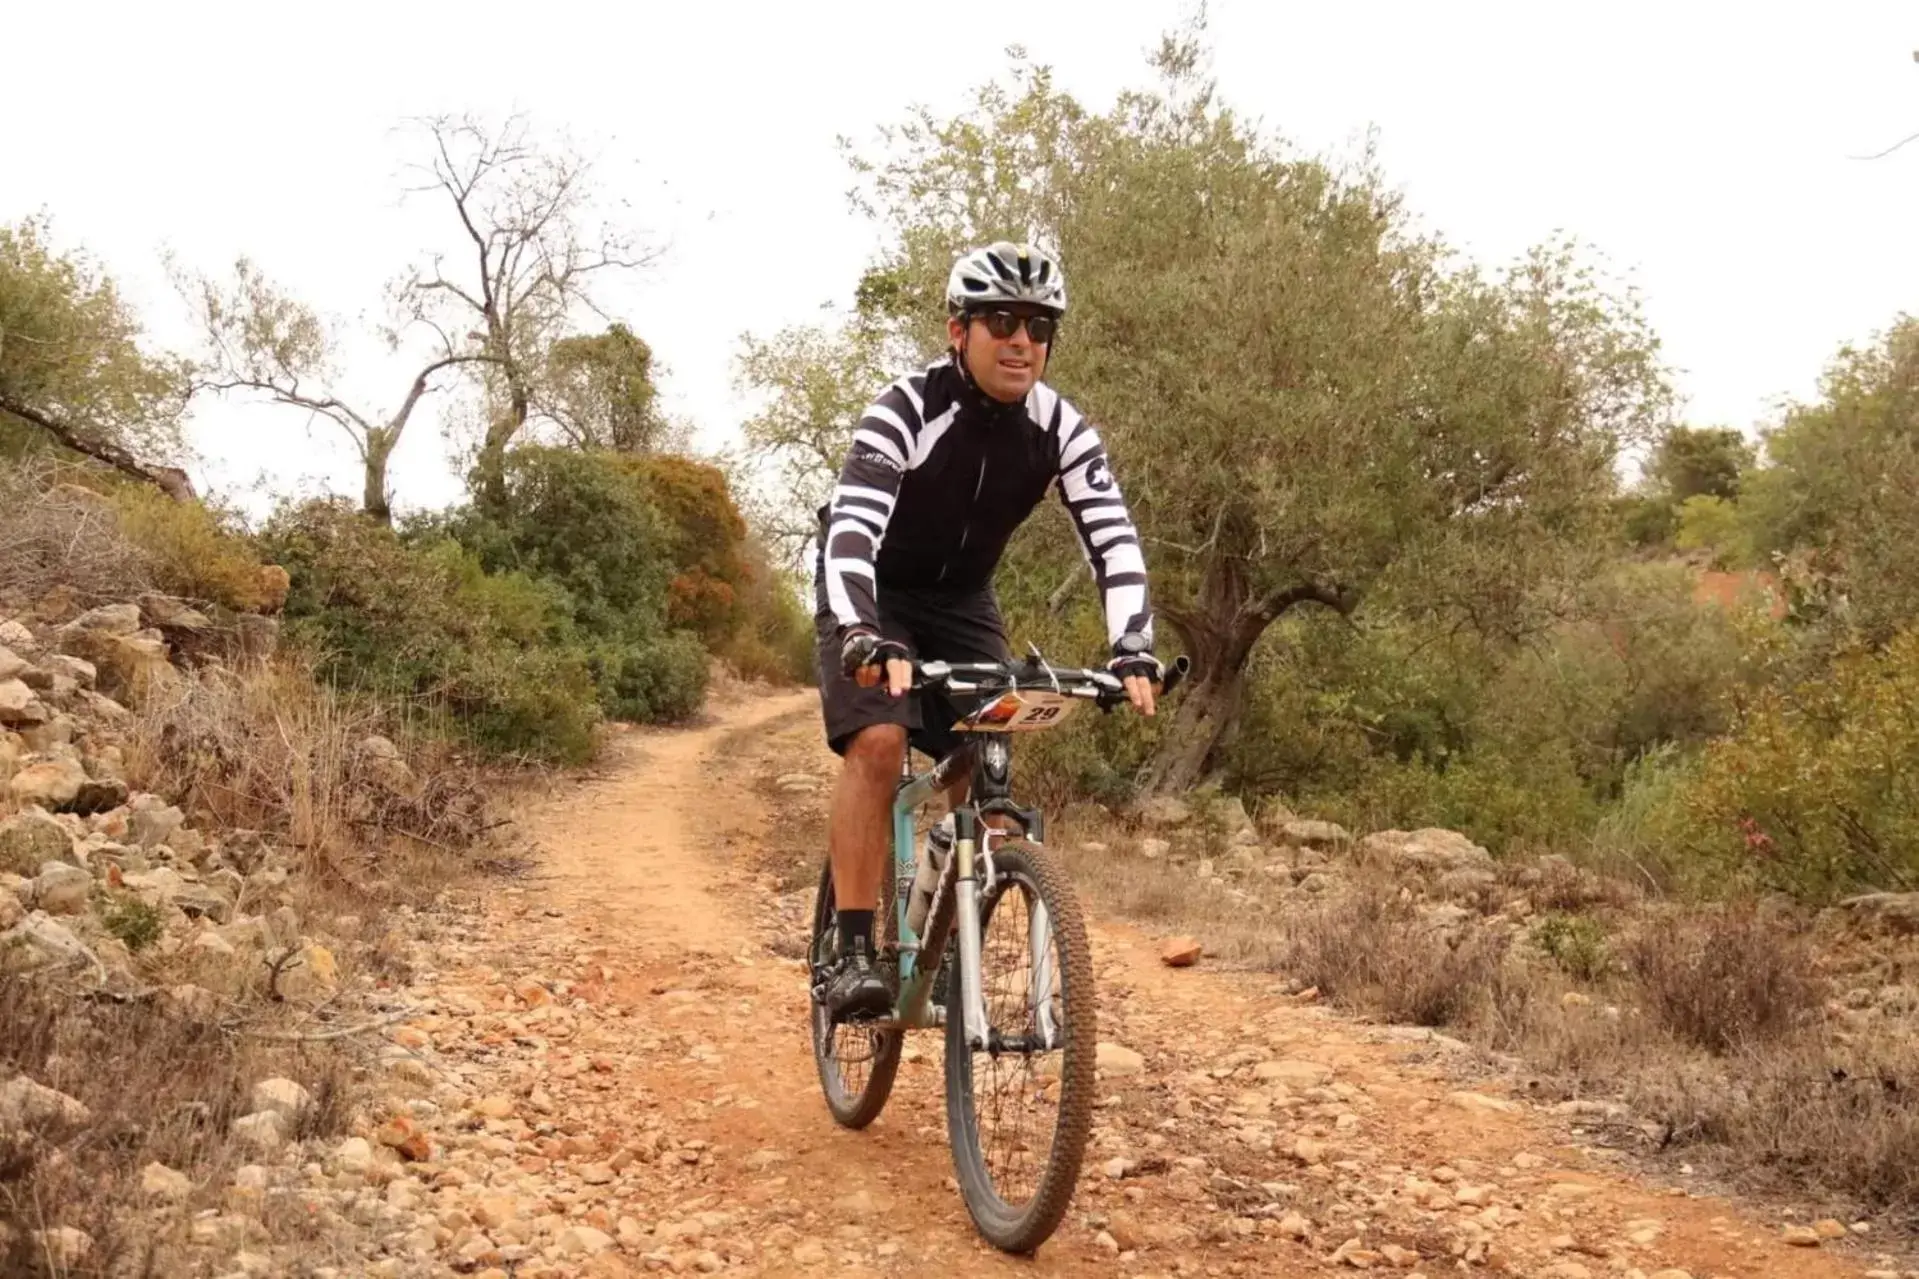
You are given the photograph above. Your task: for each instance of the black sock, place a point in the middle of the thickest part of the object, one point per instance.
(856, 925)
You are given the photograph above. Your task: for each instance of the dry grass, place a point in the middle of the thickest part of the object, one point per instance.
(264, 751)
(54, 535)
(1708, 1021)
(1368, 948)
(270, 750)
(1724, 979)
(159, 1089)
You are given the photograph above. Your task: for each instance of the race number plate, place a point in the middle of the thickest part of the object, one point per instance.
(1019, 712)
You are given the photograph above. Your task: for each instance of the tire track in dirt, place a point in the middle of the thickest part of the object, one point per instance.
(640, 1021)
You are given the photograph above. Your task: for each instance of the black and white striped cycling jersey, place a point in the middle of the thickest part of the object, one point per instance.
(939, 476)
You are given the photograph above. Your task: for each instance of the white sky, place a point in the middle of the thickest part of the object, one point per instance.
(1702, 148)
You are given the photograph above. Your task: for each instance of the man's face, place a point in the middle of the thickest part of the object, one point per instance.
(1005, 367)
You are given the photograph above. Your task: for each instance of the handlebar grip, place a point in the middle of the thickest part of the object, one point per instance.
(1176, 673)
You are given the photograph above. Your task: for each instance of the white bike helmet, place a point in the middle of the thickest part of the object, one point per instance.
(1006, 272)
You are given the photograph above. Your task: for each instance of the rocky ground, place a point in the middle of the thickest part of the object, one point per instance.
(607, 1072)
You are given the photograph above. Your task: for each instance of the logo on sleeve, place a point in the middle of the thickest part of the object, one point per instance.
(1098, 477)
(867, 453)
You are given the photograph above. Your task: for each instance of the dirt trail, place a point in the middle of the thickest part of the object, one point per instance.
(629, 1087)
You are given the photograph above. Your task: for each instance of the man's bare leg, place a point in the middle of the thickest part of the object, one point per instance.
(860, 835)
(857, 841)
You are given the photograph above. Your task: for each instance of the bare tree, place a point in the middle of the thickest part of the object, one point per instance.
(529, 269)
(491, 312)
(261, 339)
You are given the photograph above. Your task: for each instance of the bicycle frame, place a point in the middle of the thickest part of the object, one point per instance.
(968, 872)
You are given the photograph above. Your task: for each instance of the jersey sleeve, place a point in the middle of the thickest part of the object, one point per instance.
(1106, 534)
(862, 503)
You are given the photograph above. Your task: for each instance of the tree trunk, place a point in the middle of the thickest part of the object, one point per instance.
(1208, 710)
(1222, 628)
(500, 432)
(170, 480)
(373, 499)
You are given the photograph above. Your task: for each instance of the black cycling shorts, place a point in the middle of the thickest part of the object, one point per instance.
(947, 626)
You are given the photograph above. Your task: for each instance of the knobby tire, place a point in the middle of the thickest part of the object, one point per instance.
(855, 1092)
(1023, 1225)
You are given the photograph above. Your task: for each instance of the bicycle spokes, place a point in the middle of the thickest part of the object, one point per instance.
(1016, 1092)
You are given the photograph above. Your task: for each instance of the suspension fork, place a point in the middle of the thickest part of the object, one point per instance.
(966, 898)
(973, 869)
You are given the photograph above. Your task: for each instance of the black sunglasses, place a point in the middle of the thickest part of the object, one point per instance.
(1004, 324)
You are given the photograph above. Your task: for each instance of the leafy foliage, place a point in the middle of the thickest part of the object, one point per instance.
(1812, 792)
(196, 550)
(70, 349)
(485, 656)
(708, 543)
(1843, 482)
(598, 390)
(586, 527)
(1701, 462)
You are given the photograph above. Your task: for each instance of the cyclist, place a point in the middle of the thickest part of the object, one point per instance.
(943, 467)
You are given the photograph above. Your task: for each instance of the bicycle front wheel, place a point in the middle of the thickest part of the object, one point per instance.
(1018, 1109)
(856, 1063)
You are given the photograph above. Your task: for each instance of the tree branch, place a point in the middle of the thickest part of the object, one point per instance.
(1057, 600)
(1267, 610)
(170, 480)
(1911, 137)
(419, 387)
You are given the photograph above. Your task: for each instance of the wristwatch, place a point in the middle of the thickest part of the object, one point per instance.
(1132, 644)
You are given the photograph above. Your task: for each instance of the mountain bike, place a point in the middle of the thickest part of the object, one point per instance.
(1002, 964)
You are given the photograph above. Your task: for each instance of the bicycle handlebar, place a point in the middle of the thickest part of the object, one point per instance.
(1101, 687)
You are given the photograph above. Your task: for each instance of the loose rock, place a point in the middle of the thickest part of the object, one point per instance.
(1180, 952)
(158, 1181)
(26, 1104)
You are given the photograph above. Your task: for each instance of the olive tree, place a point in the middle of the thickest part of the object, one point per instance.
(815, 379)
(1309, 403)
(72, 367)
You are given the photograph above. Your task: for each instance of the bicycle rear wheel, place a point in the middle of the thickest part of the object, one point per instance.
(856, 1063)
(1018, 1111)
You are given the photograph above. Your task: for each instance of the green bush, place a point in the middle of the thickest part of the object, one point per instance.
(135, 923)
(586, 528)
(490, 656)
(1814, 793)
(582, 524)
(1577, 943)
(659, 680)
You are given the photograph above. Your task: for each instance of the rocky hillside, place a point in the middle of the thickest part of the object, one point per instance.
(197, 847)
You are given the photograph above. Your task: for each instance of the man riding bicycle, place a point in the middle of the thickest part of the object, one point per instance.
(944, 466)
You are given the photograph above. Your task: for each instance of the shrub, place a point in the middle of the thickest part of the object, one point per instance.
(1812, 794)
(775, 639)
(708, 543)
(487, 656)
(195, 550)
(582, 523)
(135, 923)
(586, 527)
(1724, 979)
(663, 679)
(1577, 943)
(1816, 1112)
(1370, 948)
